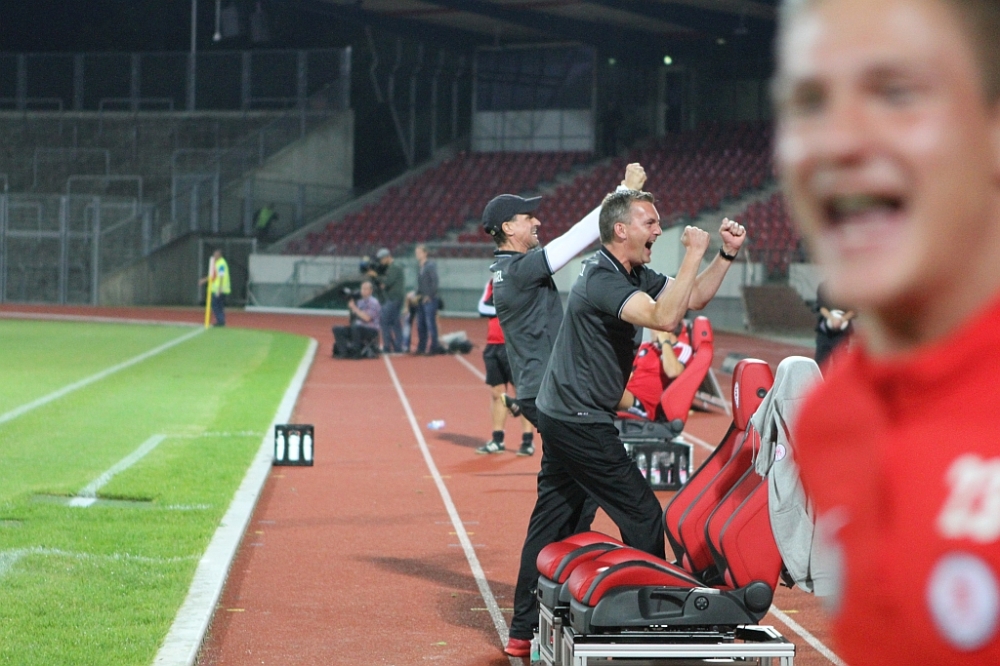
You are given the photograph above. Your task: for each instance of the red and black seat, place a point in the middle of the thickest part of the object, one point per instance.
(678, 396)
(558, 561)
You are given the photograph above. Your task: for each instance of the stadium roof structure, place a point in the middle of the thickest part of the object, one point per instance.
(623, 28)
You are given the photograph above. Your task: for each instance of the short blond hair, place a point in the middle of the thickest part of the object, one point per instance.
(617, 207)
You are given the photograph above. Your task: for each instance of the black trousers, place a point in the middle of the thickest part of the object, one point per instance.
(582, 461)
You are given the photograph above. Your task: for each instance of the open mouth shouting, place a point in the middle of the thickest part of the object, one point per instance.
(860, 221)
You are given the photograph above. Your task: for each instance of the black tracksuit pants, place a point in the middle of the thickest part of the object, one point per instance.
(582, 461)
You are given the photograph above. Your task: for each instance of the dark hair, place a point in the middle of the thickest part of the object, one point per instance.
(980, 20)
(617, 207)
(498, 236)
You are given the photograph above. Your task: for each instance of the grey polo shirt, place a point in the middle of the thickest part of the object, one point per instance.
(593, 353)
(530, 310)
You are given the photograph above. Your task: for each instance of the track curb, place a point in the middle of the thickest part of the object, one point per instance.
(187, 633)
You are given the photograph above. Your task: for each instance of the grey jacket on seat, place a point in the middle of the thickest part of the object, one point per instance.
(791, 513)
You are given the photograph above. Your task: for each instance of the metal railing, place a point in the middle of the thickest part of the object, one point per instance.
(212, 80)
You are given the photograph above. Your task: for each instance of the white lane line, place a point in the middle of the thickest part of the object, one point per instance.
(86, 381)
(697, 440)
(186, 634)
(789, 622)
(88, 495)
(473, 369)
(456, 521)
(808, 638)
(47, 316)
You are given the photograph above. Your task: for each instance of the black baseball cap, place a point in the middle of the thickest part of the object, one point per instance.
(504, 207)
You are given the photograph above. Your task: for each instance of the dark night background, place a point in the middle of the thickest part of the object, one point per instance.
(155, 25)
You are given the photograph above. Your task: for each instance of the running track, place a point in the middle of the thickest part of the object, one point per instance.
(357, 560)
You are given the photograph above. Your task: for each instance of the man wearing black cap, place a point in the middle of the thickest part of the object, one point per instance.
(392, 282)
(530, 311)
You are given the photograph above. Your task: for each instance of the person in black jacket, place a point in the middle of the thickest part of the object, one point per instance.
(427, 293)
(392, 283)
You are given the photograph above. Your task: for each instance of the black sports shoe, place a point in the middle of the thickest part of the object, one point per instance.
(526, 450)
(511, 405)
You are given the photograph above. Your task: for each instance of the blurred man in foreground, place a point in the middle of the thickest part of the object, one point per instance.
(888, 146)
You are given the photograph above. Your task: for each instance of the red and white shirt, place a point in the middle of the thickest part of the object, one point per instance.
(648, 381)
(902, 459)
(494, 334)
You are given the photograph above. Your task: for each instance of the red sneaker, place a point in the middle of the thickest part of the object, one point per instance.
(518, 647)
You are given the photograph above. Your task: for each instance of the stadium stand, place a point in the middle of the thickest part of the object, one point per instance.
(437, 201)
(689, 172)
(692, 171)
(774, 241)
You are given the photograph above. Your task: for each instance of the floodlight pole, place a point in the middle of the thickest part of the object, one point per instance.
(192, 56)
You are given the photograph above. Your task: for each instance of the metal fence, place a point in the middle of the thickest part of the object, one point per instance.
(54, 248)
(206, 81)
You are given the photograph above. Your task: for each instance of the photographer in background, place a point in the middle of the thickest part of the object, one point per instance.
(392, 283)
(373, 270)
(360, 339)
(366, 312)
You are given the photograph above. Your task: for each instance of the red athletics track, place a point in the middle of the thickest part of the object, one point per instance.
(356, 560)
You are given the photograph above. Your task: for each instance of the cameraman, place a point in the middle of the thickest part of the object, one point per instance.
(393, 290)
(360, 339)
(372, 269)
(365, 310)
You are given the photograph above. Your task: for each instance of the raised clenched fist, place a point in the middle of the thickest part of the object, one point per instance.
(694, 238)
(635, 176)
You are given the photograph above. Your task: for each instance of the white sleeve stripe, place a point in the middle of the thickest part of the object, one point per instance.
(665, 285)
(630, 297)
(683, 352)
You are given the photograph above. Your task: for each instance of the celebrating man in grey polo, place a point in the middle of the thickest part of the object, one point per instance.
(530, 311)
(591, 358)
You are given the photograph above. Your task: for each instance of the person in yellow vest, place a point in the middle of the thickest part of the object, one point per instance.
(218, 279)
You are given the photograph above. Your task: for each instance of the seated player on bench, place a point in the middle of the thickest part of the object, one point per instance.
(657, 363)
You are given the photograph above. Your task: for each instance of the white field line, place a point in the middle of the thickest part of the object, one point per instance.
(49, 316)
(473, 369)
(456, 521)
(807, 637)
(88, 495)
(86, 381)
(8, 558)
(183, 640)
(700, 442)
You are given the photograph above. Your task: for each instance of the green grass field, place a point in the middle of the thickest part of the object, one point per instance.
(101, 584)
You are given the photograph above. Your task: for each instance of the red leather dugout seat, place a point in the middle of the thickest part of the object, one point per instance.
(558, 561)
(678, 396)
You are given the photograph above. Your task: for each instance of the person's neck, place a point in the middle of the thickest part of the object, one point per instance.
(512, 245)
(936, 312)
(617, 250)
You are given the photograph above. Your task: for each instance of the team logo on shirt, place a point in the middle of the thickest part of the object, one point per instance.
(972, 510)
(964, 600)
(498, 277)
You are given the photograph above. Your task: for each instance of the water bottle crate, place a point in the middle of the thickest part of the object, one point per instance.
(294, 444)
(666, 465)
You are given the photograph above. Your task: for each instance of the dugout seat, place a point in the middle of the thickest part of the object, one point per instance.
(678, 396)
(598, 563)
